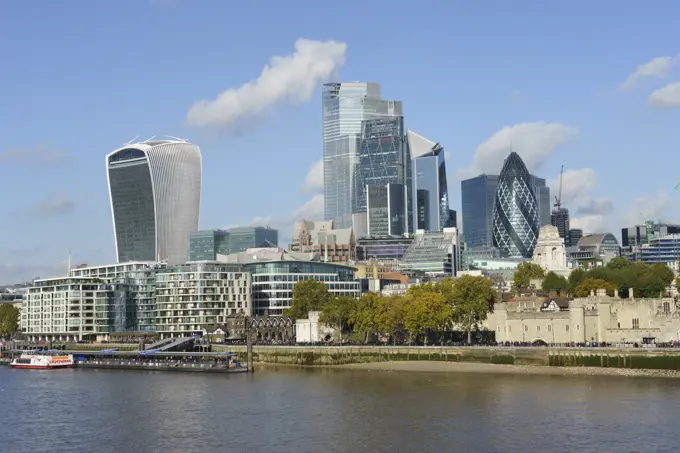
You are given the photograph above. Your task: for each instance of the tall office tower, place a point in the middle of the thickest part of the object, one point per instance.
(575, 235)
(560, 219)
(155, 194)
(478, 197)
(515, 216)
(542, 192)
(345, 106)
(428, 176)
(383, 159)
(387, 210)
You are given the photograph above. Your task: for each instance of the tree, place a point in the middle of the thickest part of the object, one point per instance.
(592, 284)
(664, 272)
(575, 278)
(526, 272)
(554, 282)
(427, 311)
(338, 313)
(473, 298)
(308, 295)
(389, 316)
(364, 316)
(619, 263)
(9, 319)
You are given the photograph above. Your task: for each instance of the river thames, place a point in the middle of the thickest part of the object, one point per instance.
(323, 410)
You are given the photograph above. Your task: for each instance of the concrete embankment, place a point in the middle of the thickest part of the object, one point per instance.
(618, 358)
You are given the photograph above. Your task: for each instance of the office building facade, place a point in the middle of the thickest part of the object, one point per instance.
(205, 245)
(515, 217)
(478, 196)
(542, 192)
(387, 210)
(345, 106)
(155, 195)
(430, 209)
(560, 219)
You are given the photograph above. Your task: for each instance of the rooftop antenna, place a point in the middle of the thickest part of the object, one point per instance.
(149, 139)
(176, 138)
(68, 271)
(558, 198)
(136, 137)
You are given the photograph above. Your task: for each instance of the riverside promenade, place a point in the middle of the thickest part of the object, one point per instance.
(563, 357)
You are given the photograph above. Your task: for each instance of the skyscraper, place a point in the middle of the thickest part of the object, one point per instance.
(155, 194)
(542, 192)
(478, 197)
(387, 210)
(515, 216)
(345, 106)
(560, 219)
(430, 191)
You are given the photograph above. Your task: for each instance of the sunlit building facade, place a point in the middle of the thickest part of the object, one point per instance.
(155, 195)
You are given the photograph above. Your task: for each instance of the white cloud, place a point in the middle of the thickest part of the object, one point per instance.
(576, 186)
(292, 78)
(534, 142)
(596, 206)
(314, 178)
(656, 67)
(653, 207)
(666, 97)
(311, 210)
(590, 224)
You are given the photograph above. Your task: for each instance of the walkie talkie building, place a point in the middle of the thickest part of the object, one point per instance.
(155, 194)
(515, 216)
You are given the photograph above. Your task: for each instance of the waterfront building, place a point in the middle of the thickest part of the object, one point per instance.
(197, 294)
(72, 309)
(335, 245)
(155, 195)
(345, 107)
(592, 319)
(205, 245)
(133, 306)
(515, 216)
(432, 253)
(550, 252)
(382, 248)
(560, 219)
(431, 210)
(276, 271)
(595, 249)
(387, 209)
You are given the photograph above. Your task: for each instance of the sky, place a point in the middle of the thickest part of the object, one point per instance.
(582, 84)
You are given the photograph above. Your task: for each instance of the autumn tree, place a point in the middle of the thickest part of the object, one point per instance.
(308, 295)
(338, 313)
(426, 311)
(364, 317)
(9, 319)
(575, 278)
(472, 298)
(554, 282)
(592, 284)
(390, 316)
(527, 271)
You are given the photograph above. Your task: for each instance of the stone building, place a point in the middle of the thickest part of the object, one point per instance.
(597, 318)
(550, 252)
(334, 245)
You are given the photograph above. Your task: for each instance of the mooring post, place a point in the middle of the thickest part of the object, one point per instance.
(249, 345)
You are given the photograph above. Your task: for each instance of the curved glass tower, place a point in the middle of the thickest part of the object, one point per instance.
(155, 194)
(515, 215)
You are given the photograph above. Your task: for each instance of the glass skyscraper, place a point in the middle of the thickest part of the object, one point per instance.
(515, 217)
(345, 106)
(543, 199)
(205, 245)
(387, 210)
(428, 178)
(478, 197)
(155, 194)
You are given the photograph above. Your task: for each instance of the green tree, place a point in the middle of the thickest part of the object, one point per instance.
(427, 311)
(473, 298)
(619, 263)
(526, 272)
(9, 319)
(363, 317)
(308, 295)
(575, 278)
(338, 313)
(591, 284)
(389, 316)
(554, 282)
(664, 272)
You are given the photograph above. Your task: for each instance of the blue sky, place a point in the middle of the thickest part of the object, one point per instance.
(80, 78)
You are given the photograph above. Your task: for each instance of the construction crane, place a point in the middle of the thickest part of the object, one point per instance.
(558, 198)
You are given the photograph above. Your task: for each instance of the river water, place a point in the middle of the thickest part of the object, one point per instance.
(322, 410)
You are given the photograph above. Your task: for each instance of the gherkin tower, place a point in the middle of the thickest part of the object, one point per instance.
(515, 215)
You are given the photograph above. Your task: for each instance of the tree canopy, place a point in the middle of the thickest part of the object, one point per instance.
(308, 295)
(554, 282)
(646, 280)
(526, 272)
(9, 319)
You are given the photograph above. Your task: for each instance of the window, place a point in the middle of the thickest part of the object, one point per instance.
(549, 328)
(666, 307)
(567, 328)
(636, 323)
(538, 328)
(526, 328)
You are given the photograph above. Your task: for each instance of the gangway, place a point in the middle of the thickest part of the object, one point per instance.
(160, 343)
(178, 344)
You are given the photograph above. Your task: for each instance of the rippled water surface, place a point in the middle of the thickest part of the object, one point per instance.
(291, 410)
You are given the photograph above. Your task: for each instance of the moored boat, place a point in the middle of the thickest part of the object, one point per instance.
(41, 360)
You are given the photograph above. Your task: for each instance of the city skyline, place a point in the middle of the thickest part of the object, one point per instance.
(560, 115)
